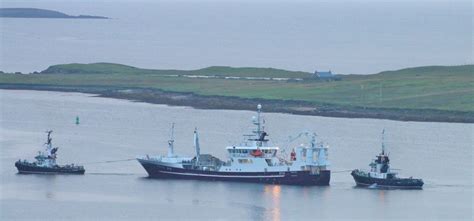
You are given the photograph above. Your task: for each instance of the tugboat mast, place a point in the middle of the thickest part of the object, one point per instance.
(49, 143)
(383, 141)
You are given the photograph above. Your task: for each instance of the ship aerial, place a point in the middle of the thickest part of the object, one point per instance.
(46, 162)
(381, 176)
(254, 160)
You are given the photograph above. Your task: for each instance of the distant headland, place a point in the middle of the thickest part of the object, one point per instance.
(40, 13)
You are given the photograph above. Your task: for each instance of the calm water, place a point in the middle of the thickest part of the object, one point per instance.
(346, 36)
(110, 129)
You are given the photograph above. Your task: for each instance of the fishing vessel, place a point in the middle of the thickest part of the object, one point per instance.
(381, 176)
(254, 160)
(46, 162)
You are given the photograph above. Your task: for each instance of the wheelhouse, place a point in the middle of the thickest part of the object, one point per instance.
(243, 151)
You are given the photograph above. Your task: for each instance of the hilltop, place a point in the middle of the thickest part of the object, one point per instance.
(40, 13)
(217, 71)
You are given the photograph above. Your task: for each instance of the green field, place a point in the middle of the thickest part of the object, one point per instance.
(449, 88)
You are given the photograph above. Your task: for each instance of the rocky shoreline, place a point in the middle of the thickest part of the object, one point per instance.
(157, 96)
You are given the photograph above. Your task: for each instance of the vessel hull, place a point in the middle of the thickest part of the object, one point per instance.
(284, 177)
(26, 168)
(398, 183)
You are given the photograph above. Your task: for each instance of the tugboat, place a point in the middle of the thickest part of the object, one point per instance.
(254, 160)
(380, 175)
(46, 162)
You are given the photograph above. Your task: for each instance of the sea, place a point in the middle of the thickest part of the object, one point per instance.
(344, 36)
(112, 132)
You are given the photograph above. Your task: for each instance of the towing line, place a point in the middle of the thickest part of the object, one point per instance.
(110, 161)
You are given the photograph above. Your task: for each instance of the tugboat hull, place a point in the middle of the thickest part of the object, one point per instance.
(397, 183)
(31, 168)
(288, 178)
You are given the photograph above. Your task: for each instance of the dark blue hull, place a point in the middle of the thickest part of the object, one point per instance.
(31, 168)
(284, 177)
(397, 183)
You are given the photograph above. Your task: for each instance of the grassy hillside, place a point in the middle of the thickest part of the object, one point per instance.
(449, 88)
(109, 68)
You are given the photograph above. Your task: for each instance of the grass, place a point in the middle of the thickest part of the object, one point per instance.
(223, 71)
(449, 88)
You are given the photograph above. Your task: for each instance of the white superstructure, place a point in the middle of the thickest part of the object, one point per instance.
(47, 158)
(256, 154)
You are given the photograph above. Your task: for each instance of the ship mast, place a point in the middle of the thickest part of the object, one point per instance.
(171, 142)
(259, 110)
(259, 132)
(50, 151)
(196, 145)
(383, 141)
(49, 144)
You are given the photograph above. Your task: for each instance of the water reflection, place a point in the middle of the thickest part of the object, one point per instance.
(44, 183)
(49, 187)
(382, 196)
(274, 192)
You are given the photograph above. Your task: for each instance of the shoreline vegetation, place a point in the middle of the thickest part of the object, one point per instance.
(431, 94)
(41, 13)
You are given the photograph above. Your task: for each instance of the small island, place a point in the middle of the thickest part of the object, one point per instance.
(430, 93)
(40, 13)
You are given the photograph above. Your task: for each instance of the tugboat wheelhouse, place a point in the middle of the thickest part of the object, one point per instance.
(46, 162)
(380, 174)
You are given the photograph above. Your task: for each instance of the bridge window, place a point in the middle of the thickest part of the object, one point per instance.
(245, 161)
